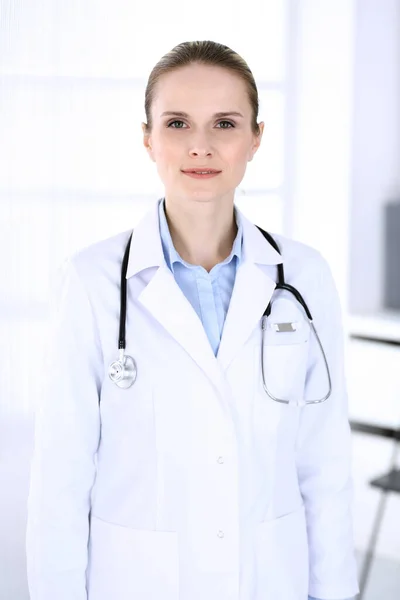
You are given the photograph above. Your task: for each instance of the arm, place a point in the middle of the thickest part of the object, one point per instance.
(352, 598)
(66, 440)
(324, 450)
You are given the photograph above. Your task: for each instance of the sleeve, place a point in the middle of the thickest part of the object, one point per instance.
(67, 431)
(352, 598)
(323, 450)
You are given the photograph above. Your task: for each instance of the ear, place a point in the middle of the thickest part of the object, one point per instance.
(147, 141)
(256, 141)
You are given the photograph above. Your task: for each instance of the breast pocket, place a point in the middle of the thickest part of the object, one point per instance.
(284, 356)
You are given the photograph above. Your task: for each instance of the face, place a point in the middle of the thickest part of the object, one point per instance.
(200, 138)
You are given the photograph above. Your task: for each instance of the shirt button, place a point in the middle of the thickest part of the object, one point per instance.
(220, 534)
(220, 459)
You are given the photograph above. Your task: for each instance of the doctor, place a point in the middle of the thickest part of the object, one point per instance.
(193, 483)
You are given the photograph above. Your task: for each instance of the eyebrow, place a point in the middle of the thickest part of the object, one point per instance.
(218, 115)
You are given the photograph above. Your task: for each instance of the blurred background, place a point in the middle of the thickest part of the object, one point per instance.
(73, 171)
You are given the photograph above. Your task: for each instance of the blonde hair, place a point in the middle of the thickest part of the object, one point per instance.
(205, 53)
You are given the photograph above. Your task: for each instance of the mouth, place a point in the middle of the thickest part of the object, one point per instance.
(201, 173)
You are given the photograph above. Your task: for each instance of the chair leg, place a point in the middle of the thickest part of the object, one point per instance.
(369, 557)
(380, 513)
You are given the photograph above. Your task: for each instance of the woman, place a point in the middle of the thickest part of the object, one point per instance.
(186, 480)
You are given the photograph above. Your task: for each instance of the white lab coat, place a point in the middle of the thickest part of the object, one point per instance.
(199, 486)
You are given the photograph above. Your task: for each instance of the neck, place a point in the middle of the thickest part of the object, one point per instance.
(202, 233)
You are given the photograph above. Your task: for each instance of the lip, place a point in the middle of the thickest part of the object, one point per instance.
(198, 176)
(200, 169)
(192, 173)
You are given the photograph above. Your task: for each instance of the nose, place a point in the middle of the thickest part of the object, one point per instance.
(200, 146)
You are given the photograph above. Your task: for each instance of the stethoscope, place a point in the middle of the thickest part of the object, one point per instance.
(123, 372)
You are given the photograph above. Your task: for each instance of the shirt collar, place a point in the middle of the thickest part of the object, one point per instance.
(146, 249)
(172, 256)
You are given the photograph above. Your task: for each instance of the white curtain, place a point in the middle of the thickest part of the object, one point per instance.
(73, 170)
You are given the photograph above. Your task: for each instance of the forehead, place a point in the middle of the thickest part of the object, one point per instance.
(201, 88)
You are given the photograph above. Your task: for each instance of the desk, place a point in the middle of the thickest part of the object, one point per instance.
(373, 371)
(383, 327)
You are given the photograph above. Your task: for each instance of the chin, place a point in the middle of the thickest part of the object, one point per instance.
(203, 195)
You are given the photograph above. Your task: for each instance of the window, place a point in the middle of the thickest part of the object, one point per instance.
(74, 169)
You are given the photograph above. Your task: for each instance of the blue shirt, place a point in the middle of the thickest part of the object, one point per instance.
(208, 293)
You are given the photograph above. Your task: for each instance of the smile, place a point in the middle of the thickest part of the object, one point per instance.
(201, 174)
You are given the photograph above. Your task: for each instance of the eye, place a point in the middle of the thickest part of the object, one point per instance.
(176, 121)
(227, 122)
(178, 124)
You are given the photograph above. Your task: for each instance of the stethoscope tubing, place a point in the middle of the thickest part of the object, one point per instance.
(123, 372)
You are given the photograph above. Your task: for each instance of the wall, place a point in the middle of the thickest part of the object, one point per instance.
(321, 137)
(345, 162)
(376, 146)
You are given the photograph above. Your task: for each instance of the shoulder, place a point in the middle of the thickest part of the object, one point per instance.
(102, 258)
(310, 273)
(92, 270)
(300, 259)
(306, 269)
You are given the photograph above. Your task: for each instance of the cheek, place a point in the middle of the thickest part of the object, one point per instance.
(167, 154)
(235, 153)
(236, 157)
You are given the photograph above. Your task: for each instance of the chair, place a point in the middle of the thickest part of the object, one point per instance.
(387, 483)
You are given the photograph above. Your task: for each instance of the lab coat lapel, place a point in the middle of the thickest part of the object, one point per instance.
(254, 285)
(166, 302)
(163, 298)
(251, 294)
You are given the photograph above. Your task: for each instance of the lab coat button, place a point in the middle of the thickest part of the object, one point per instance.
(220, 459)
(220, 534)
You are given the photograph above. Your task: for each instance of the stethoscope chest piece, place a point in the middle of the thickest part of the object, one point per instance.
(123, 372)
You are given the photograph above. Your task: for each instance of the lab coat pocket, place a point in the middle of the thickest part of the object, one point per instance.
(285, 359)
(126, 563)
(282, 558)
